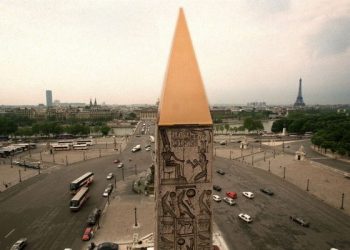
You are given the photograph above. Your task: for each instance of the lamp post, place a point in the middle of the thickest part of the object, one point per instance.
(135, 217)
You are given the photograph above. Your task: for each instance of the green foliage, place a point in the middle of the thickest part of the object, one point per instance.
(331, 130)
(252, 124)
(105, 129)
(7, 126)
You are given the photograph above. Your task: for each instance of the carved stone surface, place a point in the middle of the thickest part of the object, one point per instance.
(184, 188)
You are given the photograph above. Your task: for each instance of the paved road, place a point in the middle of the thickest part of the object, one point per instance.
(317, 157)
(39, 207)
(272, 228)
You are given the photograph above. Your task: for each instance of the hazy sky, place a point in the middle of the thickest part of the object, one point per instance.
(117, 51)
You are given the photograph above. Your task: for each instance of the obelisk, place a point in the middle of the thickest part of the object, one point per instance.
(184, 152)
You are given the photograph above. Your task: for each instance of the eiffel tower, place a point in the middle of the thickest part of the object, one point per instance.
(299, 102)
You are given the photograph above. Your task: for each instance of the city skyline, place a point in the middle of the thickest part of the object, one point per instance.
(117, 51)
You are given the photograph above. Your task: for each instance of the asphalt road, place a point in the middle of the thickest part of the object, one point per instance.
(38, 208)
(317, 157)
(271, 227)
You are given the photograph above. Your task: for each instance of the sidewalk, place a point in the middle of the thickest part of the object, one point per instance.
(118, 220)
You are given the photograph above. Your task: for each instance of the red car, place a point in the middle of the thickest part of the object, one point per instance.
(88, 234)
(232, 195)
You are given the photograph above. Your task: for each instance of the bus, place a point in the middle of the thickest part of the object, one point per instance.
(78, 200)
(80, 147)
(58, 147)
(86, 141)
(64, 142)
(83, 180)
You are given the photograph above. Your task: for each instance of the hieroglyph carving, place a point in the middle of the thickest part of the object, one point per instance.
(185, 188)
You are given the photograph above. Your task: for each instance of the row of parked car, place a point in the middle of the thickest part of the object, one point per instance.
(230, 196)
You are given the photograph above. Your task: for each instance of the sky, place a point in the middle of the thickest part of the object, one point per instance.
(117, 51)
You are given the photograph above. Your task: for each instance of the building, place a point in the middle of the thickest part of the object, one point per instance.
(48, 98)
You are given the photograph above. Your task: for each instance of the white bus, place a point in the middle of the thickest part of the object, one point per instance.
(78, 200)
(84, 180)
(58, 147)
(80, 147)
(69, 142)
(86, 141)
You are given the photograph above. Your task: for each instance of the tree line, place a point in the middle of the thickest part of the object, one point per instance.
(331, 130)
(250, 124)
(23, 126)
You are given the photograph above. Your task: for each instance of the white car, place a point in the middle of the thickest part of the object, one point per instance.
(229, 201)
(109, 176)
(216, 198)
(120, 165)
(148, 149)
(245, 217)
(249, 195)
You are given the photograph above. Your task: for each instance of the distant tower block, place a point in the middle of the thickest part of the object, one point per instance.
(48, 98)
(299, 102)
(184, 152)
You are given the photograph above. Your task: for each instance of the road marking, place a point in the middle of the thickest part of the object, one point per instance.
(7, 235)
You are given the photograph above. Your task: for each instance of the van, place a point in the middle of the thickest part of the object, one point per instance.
(94, 216)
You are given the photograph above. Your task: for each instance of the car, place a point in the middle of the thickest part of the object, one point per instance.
(220, 171)
(93, 217)
(299, 220)
(148, 149)
(229, 201)
(217, 188)
(216, 198)
(249, 195)
(20, 244)
(120, 165)
(107, 246)
(110, 176)
(245, 217)
(148, 146)
(88, 234)
(138, 135)
(266, 191)
(108, 190)
(116, 161)
(232, 195)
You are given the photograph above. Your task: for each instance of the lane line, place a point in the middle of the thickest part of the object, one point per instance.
(7, 235)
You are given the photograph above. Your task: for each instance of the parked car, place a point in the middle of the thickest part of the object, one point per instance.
(299, 220)
(107, 246)
(249, 195)
(229, 201)
(120, 165)
(116, 161)
(88, 234)
(110, 176)
(216, 198)
(245, 217)
(266, 191)
(94, 217)
(108, 190)
(232, 195)
(148, 149)
(20, 244)
(217, 188)
(220, 171)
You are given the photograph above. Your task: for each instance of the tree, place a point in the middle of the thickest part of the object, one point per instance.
(251, 124)
(227, 127)
(105, 129)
